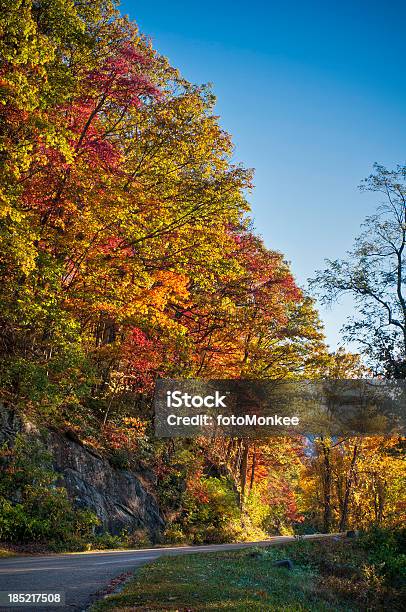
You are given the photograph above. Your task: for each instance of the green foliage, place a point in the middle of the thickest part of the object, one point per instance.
(256, 508)
(139, 538)
(386, 550)
(174, 534)
(265, 518)
(108, 540)
(119, 458)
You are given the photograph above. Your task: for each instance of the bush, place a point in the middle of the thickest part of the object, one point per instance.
(209, 534)
(211, 512)
(387, 554)
(139, 538)
(174, 535)
(107, 540)
(119, 458)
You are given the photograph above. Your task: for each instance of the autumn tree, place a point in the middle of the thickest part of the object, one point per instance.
(374, 274)
(117, 191)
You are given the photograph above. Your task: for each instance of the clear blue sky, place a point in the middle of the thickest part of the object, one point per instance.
(312, 92)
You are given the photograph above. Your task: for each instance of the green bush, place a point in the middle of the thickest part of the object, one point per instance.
(107, 540)
(387, 554)
(139, 538)
(119, 458)
(174, 535)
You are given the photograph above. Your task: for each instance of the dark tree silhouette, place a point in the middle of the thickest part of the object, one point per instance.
(374, 274)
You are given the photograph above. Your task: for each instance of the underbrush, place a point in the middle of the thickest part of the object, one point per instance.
(135, 539)
(208, 512)
(370, 570)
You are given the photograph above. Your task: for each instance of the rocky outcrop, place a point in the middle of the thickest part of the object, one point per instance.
(121, 499)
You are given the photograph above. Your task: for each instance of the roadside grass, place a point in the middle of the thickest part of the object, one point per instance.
(326, 575)
(212, 581)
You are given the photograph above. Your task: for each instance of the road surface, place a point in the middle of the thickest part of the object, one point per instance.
(84, 576)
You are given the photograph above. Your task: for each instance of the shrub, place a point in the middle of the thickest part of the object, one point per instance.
(174, 535)
(107, 540)
(139, 538)
(119, 458)
(210, 511)
(386, 552)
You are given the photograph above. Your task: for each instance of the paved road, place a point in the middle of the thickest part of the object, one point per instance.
(83, 576)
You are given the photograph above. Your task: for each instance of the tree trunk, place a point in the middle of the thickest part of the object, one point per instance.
(253, 466)
(327, 478)
(243, 471)
(348, 487)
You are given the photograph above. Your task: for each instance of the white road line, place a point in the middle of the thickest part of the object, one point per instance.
(127, 561)
(77, 561)
(33, 569)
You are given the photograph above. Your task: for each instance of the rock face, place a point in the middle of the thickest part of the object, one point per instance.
(121, 499)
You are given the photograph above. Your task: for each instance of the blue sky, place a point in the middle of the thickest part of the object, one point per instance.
(313, 93)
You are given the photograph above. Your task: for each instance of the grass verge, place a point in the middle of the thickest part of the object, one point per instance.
(326, 576)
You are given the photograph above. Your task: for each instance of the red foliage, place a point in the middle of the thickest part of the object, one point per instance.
(141, 358)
